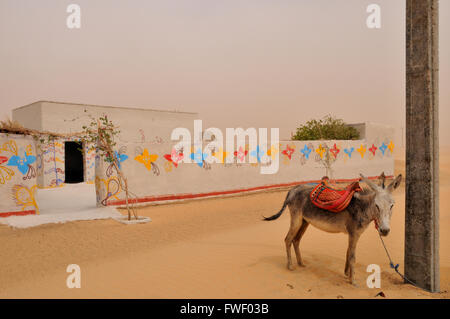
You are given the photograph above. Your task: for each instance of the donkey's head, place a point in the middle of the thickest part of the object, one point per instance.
(383, 201)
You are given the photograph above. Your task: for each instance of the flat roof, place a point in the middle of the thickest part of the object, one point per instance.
(105, 106)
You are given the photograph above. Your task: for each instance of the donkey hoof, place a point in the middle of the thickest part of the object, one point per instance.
(290, 267)
(301, 264)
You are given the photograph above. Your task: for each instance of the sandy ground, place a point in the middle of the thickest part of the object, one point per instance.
(212, 248)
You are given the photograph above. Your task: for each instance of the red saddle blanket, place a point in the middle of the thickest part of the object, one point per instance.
(334, 200)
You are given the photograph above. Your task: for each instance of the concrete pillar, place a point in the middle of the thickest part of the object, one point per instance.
(422, 145)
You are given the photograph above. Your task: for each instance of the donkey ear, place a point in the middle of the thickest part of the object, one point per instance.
(371, 184)
(395, 183)
(366, 198)
(382, 179)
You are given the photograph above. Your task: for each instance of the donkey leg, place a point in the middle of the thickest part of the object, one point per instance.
(297, 239)
(350, 260)
(296, 223)
(349, 253)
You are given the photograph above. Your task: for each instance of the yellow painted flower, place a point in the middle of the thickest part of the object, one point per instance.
(25, 197)
(391, 146)
(9, 146)
(220, 155)
(320, 150)
(29, 150)
(274, 149)
(5, 174)
(362, 150)
(147, 159)
(168, 166)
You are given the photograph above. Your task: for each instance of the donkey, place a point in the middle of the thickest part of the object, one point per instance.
(374, 204)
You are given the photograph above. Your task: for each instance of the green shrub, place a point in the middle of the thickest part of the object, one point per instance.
(328, 128)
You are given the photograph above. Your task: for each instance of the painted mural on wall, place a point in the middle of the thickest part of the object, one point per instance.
(50, 164)
(308, 151)
(24, 197)
(18, 175)
(142, 163)
(148, 159)
(175, 157)
(107, 184)
(89, 164)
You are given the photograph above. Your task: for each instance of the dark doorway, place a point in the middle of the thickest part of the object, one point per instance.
(73, 162)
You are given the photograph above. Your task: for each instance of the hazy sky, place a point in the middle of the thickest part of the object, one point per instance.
(259, 63)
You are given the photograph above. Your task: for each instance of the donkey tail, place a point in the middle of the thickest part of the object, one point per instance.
(286, 202)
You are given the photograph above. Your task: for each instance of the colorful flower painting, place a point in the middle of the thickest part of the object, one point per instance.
(320, 150)
(258, 153)
(9, 146)
(5, 172)
(273, 151)
(335, 151)
(120, 158)
(25, 197)
(383, 148)
(174, 157)
(362, 150)
(147, 159)
(198, 157)
(22, 163)
(349, 151)
(168, 166)
(288, 151)
(373, 149)
(240, 154)
(306, 151)
(221, 155)
(391, 147)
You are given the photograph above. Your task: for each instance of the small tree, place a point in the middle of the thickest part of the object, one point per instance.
(327, 128)
(100, 135)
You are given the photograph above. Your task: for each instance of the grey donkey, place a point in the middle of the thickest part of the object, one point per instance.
(373, 204)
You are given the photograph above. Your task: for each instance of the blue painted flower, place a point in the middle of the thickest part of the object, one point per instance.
(306, 151)
(198, 157)
(22, 162)
(349, 151)
(383, 148)
(120, 157)
(258, 153)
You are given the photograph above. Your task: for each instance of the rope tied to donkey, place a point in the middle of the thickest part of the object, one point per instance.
(391, 263)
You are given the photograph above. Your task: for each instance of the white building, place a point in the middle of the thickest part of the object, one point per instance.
(155, 168)
(62, 161)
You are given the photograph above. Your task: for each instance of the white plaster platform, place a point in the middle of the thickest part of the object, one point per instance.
(71, 202)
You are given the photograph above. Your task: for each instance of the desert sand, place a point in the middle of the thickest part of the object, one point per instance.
(210, 248)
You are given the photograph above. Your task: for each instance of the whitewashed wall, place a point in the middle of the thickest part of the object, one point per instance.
(153, 176)
(136, 125)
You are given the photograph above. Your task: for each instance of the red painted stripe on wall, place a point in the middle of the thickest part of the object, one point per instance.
(21, 213)
(149, 199)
